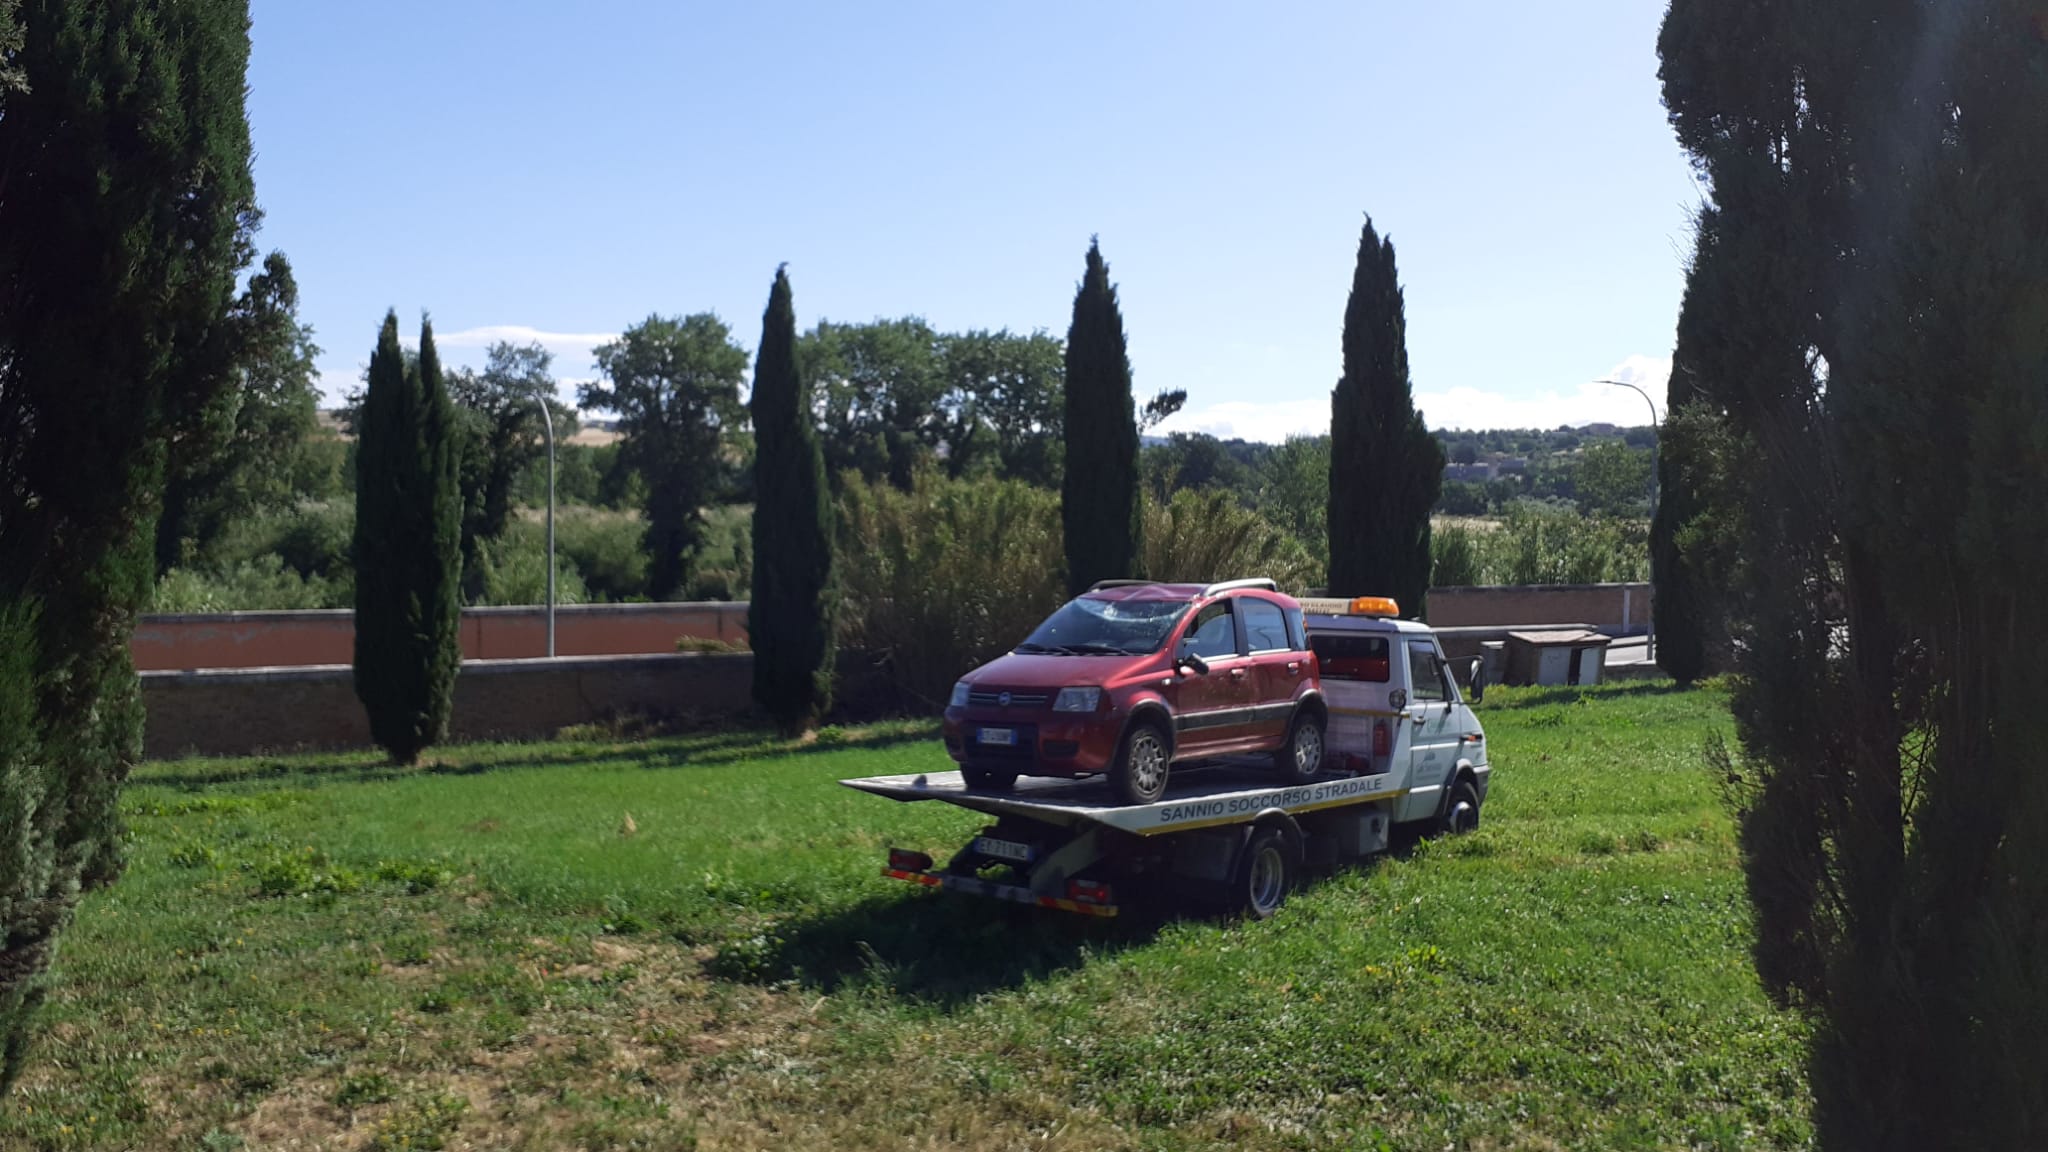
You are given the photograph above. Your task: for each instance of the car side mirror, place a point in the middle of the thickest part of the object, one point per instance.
(1193, 663)
(1475, 678)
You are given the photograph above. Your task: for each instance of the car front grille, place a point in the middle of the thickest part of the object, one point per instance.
(1007, 699)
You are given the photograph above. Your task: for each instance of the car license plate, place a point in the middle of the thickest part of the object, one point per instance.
(996, 849)
(1007, 737)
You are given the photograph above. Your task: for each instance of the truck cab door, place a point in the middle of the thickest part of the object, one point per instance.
(1432, 729)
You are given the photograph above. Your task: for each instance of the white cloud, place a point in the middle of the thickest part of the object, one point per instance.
(1469, 408)
(556, 342)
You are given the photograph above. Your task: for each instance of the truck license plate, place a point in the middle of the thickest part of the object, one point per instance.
(1002, 849)
(1007, 737)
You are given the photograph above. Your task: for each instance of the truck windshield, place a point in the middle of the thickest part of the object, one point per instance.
(1350, 657)
(1090, 627)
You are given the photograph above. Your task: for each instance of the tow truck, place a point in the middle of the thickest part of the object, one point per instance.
(1404, 752)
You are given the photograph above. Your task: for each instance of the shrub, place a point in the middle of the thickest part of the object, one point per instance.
(515, 568)
(605, 547)
(262, 584)
(947, 575)
(1454, 559)
(1199, 537)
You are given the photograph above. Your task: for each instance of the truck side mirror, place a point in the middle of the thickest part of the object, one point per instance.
(1475, 678)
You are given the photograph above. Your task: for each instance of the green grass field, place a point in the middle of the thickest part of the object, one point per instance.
(685, 942)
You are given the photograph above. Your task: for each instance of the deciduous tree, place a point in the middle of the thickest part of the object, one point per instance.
(674, 382)
(498, 413)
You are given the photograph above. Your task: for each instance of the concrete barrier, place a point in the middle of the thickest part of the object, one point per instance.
(1616, 609)
(301, 639)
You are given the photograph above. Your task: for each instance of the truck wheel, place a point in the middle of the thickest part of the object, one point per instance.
(1139, 774)
(1265, 871)
(1461, 811)
(1302, 756)
(988, 779)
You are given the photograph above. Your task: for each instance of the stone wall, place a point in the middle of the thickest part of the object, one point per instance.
(232, 712)
(298, 639)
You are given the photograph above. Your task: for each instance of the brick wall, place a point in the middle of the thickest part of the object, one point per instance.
(1617, 609)
(298, 639)
(227, 712)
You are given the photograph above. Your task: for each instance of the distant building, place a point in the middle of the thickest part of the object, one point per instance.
(1469, 473)
(1512, 465)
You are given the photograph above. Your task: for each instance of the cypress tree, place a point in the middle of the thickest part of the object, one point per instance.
(1878, 184)
(1386, 470)
(1099, 511)
(1680, 603)
(128, 203)
(408, 548)
(791, 615)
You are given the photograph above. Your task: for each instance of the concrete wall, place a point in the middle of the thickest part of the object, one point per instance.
(298, 639)
(229, 712)
(1616, 609)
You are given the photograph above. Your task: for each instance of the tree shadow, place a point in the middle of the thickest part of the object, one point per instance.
(657, 753)
(1505, 699)
(940, 949)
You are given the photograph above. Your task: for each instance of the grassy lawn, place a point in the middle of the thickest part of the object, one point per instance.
(684, 942)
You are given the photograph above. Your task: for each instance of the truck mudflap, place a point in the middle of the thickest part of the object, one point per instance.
(974, 886)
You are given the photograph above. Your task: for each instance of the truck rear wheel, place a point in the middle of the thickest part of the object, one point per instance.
(1139, 774)
(1265, 871)
(1302, 756)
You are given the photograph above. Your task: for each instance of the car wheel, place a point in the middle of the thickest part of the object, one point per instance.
(1265, 871)
(1302, 756)
(988, 779)
(1139, 774)
(1461, 811)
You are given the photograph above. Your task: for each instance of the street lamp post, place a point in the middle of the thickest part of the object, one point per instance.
(548, 422)
(1656, 434)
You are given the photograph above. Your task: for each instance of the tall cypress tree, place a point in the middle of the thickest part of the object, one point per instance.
(1681, 596)
(1386, 470)
(126, 216)
(408, 548)
(1099, 510)
(1878, 173)
(792, 614)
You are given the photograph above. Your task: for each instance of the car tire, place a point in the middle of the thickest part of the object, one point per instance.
(1461, 810)
(1301, 757)
(1264, 873)
(988, 779)
(1138, 776)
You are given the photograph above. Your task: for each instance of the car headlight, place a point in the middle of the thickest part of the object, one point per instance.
(959, 696)
(1077, 700)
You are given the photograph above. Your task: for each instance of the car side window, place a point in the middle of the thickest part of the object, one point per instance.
(1213, 635)
(1265, 629)
(1425, 671)
(1296, 639)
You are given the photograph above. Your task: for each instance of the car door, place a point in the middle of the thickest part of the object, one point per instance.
(1278, 668)
(1210, 706)
(1433, 730)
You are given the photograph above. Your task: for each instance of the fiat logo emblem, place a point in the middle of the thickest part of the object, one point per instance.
(1003, 700)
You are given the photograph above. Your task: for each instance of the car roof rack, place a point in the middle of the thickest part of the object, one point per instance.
(1261, 582)
(1099, 585)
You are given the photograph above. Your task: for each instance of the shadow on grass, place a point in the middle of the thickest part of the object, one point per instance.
(1504, 699)
(941, 949)
(457, 760)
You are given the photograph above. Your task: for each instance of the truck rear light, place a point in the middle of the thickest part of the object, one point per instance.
(1382, 739)
(1088, 890)
(904, 860)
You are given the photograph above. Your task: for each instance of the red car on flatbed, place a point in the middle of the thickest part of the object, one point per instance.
(1132, 677)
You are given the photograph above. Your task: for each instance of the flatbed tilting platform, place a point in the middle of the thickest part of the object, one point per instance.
(1208, 796)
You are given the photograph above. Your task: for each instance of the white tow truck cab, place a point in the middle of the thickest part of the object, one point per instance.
(1403, 749)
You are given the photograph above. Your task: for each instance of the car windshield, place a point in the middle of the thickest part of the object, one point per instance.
(1090, 627)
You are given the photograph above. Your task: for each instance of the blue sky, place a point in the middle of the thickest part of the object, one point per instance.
(559, 171)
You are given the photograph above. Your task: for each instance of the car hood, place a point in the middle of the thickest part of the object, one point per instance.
(1035, 670)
